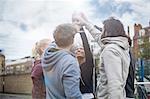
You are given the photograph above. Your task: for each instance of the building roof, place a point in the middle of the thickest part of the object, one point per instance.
(148, 27)
(147, 31)
(18, 61)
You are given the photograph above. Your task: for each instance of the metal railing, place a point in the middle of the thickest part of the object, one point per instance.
(141, 93)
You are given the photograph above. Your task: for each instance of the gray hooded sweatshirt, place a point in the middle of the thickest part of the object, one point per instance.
(113, 70)
(61, 73)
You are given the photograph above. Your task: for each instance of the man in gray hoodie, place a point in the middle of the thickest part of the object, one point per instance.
(60, 67)
(114, 58)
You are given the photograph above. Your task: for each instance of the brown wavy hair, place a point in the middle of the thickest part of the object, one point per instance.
(113, 28)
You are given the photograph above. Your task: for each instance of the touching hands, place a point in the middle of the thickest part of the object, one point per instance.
(79, 20)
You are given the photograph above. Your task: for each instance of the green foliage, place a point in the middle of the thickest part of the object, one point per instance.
(147, 67)
(144, 53)
(145, 48)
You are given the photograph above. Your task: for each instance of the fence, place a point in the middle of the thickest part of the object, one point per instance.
(143, 76)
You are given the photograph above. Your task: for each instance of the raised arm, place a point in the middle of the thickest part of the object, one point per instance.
(88, 54)
(80, 20)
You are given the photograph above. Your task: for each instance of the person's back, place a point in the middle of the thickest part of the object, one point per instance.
(38, 90)
(114, 59)
(130, 80)
(85, 59)
(129, 88)
(86, 68)
(113, 70)
(58, 65)
(61, 69)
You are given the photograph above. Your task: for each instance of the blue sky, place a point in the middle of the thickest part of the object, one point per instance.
(109, 7)
(138, 10)
(23, 22)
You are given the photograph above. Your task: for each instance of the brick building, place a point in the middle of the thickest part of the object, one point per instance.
(140, 34)
(137, 27)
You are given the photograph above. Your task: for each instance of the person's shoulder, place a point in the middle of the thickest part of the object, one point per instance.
(37, 64)
(112, 47)
(69, 56)
(70, 63)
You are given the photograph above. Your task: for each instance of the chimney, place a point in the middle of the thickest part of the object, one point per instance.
(137, 27)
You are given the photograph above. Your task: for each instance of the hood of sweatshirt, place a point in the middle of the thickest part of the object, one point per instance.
(120, 41)
(51, 56)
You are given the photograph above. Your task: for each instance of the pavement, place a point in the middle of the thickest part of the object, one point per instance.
(14, 96)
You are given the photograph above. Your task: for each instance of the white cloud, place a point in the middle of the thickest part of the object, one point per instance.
(33, 20)
(140, 14)
(130, 1)
(38, 17)
(128, 11)
(128, 20)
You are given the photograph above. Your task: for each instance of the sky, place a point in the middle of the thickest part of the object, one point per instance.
(23, 22)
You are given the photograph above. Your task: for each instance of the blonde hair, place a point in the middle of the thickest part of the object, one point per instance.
(36, 53)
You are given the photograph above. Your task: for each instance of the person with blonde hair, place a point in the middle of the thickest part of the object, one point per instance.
(38, 90)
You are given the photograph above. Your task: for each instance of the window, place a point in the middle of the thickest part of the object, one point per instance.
(141, 50)
(11, 69)
(22, 68)
(7, 70)
(17, 68)
(140, 41)
(141, 32)
(1, 71)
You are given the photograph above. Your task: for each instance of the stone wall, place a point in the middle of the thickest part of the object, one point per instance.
(1, 84)
(20, 83)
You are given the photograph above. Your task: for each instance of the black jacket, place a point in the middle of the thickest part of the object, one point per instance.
(129, 88)
(86, 84)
